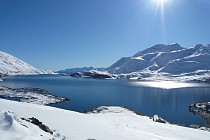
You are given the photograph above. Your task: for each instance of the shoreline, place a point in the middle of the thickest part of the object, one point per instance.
(31, 95)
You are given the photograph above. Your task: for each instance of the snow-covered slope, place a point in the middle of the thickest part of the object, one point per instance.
(13, 127)
(188, 64)
(109, 123)
(119, 62)
(172, 59)
(10, 65)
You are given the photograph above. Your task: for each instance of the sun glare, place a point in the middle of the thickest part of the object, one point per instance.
(161, 3)
(165, 84)
(159, 7)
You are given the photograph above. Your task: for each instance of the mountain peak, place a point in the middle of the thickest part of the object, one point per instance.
(160, 48)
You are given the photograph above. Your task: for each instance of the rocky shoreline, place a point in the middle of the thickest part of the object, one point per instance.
(202, 110)
(93, 74)
(30, 95)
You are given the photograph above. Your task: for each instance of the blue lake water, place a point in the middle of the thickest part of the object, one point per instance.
(170, 100)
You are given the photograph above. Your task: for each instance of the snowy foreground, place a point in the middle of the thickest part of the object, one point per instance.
(109, 123)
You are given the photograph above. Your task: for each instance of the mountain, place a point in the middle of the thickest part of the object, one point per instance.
(73, 70)
(159, 62)
(82, 69)
(11, 65)
(196, 58)
(172, 59)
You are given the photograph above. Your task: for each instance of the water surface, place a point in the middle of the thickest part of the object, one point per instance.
(168, 99)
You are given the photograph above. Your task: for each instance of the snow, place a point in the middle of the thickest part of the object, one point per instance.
(188, 64)
(11, 65)
(147, 75)
(13, 128)
(131, 65)
(119, 63)
(109, 123)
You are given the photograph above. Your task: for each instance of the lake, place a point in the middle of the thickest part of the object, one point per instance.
(170, 100)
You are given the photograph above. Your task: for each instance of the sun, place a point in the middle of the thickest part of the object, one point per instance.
(160, 2)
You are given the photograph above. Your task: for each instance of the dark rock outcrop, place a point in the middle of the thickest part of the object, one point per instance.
(157, 118)
(202, 110)
(42, 126)
(93, 74)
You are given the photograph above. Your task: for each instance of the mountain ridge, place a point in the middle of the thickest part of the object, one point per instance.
(165, 58)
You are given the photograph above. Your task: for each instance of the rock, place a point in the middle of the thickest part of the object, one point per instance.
(44, 127)
(202, 110)
(93, 74)
(77, 74)
(156, 118)
(30, 95)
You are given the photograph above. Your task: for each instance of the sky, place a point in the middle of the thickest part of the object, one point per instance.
(60, 34)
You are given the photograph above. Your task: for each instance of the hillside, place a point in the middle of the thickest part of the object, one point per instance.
(39, 122)
(11, 65)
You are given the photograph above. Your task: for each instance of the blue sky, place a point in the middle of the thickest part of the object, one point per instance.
(59, 34)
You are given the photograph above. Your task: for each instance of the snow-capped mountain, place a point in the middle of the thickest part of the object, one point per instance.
(10, 65)
(172, 59)
(73, 70)
(81, 69)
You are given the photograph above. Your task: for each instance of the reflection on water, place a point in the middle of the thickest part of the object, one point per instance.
(167, 84)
